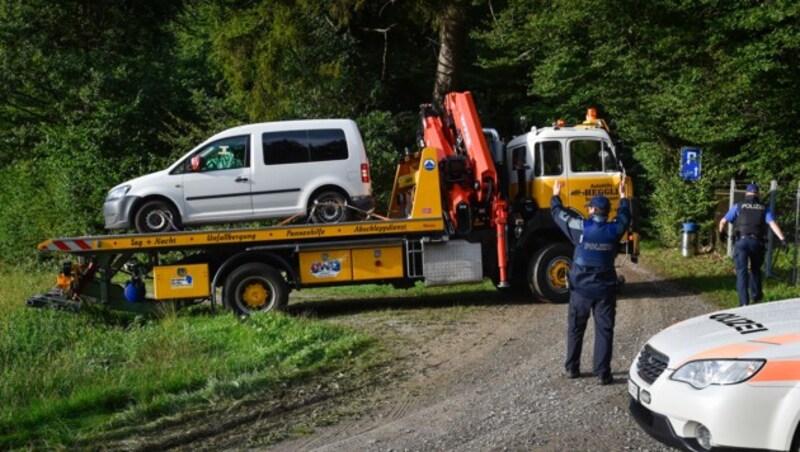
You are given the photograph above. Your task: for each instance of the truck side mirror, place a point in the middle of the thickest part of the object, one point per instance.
(518, 159)
(619, 145)
(197, 163)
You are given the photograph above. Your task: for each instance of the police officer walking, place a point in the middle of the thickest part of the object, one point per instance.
(750, 219)
(592, 277)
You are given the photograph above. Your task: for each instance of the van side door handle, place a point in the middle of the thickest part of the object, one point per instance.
(241, 179)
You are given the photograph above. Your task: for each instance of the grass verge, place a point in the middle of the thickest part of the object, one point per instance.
(713, 275)
(68, 379)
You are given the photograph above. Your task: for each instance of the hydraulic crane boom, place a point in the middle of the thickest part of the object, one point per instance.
(468, 172)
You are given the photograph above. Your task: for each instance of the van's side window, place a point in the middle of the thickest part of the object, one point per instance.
(327, 145)
(301, 146)
(227, 153)
(285, 147)
(549, 161)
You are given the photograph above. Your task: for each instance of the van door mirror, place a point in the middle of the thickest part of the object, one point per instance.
(197, 163)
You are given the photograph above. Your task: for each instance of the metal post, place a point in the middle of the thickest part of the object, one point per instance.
(796, 230)
(730, 226)
(773, 193)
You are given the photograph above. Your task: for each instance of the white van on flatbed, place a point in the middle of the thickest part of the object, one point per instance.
(252, 172)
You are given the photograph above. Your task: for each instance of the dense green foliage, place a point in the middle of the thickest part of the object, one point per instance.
(95, 92)
(714, 74)
(66, 378)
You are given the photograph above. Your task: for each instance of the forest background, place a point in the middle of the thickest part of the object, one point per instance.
(94, 92)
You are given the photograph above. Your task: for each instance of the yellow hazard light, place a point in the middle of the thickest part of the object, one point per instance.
(561, 123)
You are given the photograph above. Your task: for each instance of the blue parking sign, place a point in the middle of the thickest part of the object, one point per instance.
(690, 163)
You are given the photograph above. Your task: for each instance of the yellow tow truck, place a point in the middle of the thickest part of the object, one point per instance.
(454, 218)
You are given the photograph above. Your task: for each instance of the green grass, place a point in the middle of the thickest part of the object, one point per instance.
(66, 379)
(712, 274)
(70, 380)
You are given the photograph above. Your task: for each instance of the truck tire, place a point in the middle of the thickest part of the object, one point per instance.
(328, 206)
(547, 272)
(157, 216)
(255, 287)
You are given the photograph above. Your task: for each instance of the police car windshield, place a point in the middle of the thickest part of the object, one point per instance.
(592, 156)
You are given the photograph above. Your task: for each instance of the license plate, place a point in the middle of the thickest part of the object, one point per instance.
(633, 390)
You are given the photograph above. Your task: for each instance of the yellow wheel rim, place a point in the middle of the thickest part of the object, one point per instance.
(255, 295)
(557, 274)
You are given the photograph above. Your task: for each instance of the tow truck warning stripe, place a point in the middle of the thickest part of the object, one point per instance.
(62, 246)
(778, 371)
(69, 245)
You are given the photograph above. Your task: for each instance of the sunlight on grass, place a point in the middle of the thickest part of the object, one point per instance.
(713, 275)
(64, 377)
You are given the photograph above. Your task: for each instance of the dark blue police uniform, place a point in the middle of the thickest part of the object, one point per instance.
(592, 279)
(749, 219)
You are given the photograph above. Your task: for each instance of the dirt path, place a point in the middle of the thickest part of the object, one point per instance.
(476, 372)
(495, 383)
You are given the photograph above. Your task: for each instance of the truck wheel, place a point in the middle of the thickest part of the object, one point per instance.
(547, 272)
(255, 287)
(328, 206)
(157, 216)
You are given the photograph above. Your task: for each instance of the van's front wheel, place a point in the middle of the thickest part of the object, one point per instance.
(157, 216)
(328, 206)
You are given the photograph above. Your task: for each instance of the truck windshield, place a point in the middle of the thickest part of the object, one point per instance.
(592, 156)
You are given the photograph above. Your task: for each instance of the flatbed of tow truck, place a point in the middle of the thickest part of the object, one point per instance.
(271, 235)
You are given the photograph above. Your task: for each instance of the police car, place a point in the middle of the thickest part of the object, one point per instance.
(729, 379)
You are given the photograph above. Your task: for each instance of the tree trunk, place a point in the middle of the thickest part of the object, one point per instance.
(452, 32)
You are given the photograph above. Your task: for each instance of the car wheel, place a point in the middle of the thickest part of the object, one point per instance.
(157, 216)
(547, 272)
(328, 206)
(255, 287)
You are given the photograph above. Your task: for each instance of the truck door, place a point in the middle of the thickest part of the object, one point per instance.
(217, 186)
(548, 166)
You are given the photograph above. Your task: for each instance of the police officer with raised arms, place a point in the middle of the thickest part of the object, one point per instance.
(750, 219)
(592, 276)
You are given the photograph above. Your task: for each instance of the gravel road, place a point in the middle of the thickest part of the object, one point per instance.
(496, 383)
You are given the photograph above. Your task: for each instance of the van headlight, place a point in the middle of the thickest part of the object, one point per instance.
(118, 193)
(701, 374)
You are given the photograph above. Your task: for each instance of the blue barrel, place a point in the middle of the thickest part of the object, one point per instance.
(689, 239)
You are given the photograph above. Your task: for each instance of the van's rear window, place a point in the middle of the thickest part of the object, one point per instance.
(301, 146)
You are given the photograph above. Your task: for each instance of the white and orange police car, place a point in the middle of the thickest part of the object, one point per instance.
(729, 379)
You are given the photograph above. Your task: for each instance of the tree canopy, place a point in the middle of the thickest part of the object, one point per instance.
(95, 92)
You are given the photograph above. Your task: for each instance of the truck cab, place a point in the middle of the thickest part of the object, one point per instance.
(582, 156)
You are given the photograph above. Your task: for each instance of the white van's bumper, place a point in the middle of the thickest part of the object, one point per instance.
(117, 213)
